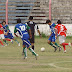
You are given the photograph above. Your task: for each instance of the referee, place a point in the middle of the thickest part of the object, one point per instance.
(33, 25)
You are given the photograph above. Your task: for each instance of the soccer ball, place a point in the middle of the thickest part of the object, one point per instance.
(42, 49)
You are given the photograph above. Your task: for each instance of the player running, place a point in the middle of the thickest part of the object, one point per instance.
(62, 30)
(8, 33)
(22, 29)
(53, 36)
(2, 36)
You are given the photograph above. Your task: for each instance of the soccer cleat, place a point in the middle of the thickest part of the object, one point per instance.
(18, 44)
(36, 56)
(6, 44)
(60, 48)
(65, 51)
(25, 57)
(55, 50)
(69, 44)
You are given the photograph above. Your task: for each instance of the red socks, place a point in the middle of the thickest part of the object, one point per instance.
(8, 39)
(64, 45)
(1, 42)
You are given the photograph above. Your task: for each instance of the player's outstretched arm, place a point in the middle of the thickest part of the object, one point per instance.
(28, 28)
(15, 30)
(38, 30)
(7, 30)
(39, 33)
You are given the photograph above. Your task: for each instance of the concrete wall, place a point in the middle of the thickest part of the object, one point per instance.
(46, 30)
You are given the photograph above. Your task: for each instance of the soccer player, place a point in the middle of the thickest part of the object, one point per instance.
(62, 30)
(8, 33)
(22, 29)
(1, 34)
(53, 36)
(33, 25)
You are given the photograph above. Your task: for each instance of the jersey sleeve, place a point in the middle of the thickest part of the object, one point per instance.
(15, 30)
(65, 28)
(7, 27)
(54, 25)
(27, 27)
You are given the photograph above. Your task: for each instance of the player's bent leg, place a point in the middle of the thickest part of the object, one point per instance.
(9, 40)
(50, 43)
(5, 42)
(24, 50)
(31, 50)
(28, 44)
(24, 47)
(58, 46)
(54, 46)
(1, 43)
(32, 44)
(62, 42)
(16, 41)
(0, 40)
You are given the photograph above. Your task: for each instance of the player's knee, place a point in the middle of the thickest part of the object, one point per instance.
(61, 44)
(3, 39)
(53, 42)
(23, 46)
(48, 42)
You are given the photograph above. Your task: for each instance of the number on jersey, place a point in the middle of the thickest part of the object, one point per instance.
(23, 28)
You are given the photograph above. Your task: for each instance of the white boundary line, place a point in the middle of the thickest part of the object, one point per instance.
(53, 64)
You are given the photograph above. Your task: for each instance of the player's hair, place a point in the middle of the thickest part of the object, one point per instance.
(31, 18)
(59, 22)
(48, 21)
(3, 22)
(19, 20)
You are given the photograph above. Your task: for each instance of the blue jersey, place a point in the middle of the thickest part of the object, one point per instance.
(6, 28)
(52, 27)
(22, 29)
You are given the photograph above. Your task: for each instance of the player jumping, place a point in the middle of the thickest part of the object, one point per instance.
(53, 36)
(8, 33)
(22, 29)
(62, 35)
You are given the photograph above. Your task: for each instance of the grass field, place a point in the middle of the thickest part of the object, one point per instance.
(11, 59)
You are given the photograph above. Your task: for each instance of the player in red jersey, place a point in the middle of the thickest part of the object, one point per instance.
(62, 30)
(1, 34)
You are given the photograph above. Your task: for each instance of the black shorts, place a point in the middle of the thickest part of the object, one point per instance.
(32, 39)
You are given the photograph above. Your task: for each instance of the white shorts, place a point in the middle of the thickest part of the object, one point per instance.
(2, 36)
(62, 39)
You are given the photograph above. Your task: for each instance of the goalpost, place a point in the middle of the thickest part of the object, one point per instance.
(6, 11)
(50, 9)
